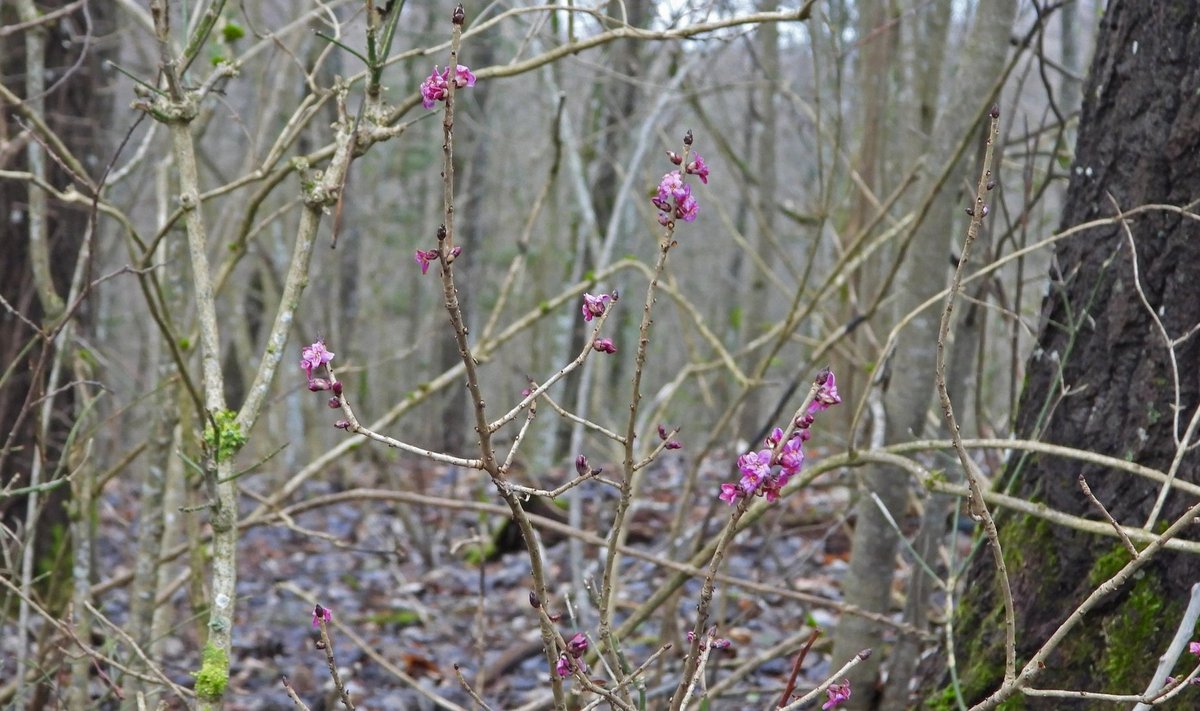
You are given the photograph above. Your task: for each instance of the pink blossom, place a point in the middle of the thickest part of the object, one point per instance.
(687, 208)
(594, 305)
(1194, 648)
(674, 198)
(755, 468)
(671, 186)
(699, 169)
(314, 356)
(791, 458)
(577, 645)
(838, 694)
(463, 77)
(827, 393)
(436, 86)
(433, 89)
(730, 493)
(425, 257)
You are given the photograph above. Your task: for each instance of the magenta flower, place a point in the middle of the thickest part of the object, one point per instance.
(594, 305)
(1194, 648)
(827, 394)
(774, 438)
(838, 694)
(563, 666)
(321, 613)
(425, 257)
(435, 88)
(791, 458)
(674, 198)
(463, 77)
(578, 645)
(688, 208)
(730, 493)
(314, 356)
(699, 169)
(604, 345)
(673, 444)
(672, 186)
(755, 468)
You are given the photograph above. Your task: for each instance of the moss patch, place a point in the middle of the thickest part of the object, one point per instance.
(226, 438)
(1141, 622)
(213, 676)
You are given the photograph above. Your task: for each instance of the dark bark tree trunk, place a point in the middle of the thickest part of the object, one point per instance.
(76, 97)
(1138, 141)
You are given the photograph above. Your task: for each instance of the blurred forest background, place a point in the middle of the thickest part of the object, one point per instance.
(173, 491)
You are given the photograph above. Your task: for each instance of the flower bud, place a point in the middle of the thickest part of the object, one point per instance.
(337, 388)
(459, 16)
(687, 138)
(673, 444)
(318, 384)
(582, 466)
(578, 645)
(662, 432)
(604, 345)
(342, 424)
(674, 157)
(335, 402)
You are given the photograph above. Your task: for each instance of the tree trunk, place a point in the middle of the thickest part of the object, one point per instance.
(1138, 139)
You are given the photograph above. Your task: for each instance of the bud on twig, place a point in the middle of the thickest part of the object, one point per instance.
(459, 16)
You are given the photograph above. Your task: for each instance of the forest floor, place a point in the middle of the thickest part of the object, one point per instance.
(410, 602)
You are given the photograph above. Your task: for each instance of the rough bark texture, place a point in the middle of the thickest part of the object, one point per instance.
(1138, 142)
(77, 96)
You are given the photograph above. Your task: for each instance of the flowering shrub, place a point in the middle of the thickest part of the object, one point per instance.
(767, 471)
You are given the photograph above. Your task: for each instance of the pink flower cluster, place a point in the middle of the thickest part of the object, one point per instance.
(312, 357)
(577, 646)
(674, 198)
(437, 86)
(767, 471)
